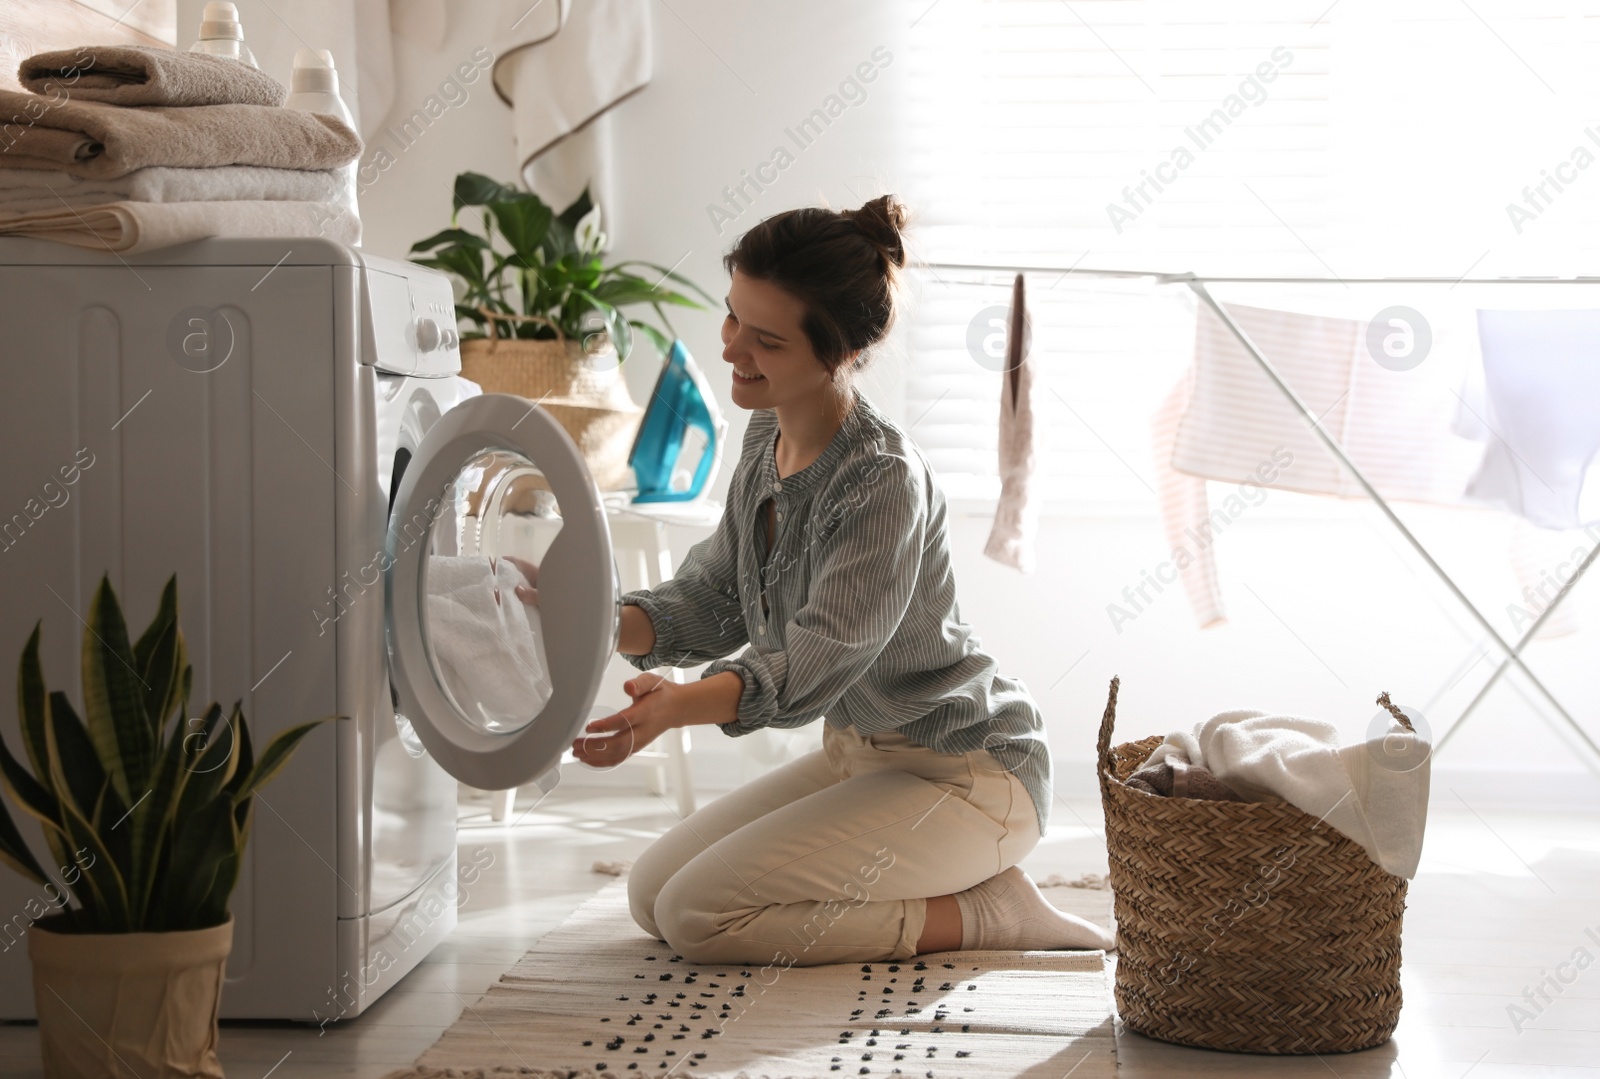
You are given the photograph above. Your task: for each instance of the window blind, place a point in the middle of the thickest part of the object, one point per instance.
(1355, 138)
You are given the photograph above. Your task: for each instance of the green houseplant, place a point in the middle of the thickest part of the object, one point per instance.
(147, 813)
(544, 271)
(543, 315)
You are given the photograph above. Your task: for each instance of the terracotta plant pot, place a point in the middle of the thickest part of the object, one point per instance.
(129, 1005)
(585, 394)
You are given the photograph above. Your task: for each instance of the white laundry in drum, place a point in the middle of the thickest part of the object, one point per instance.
(487, 644)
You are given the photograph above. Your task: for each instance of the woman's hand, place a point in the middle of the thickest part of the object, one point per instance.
(655, 708)
(527, 593)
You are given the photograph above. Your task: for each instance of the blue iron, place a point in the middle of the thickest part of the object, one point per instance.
(681, 399)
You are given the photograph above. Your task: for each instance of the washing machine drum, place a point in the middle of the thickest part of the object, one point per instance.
(501, 591)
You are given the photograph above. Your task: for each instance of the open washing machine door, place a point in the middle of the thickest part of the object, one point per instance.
(496, 687)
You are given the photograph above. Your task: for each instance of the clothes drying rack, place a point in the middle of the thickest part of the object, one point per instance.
(1196, 283)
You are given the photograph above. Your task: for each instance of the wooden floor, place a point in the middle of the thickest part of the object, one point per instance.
(1503, 896)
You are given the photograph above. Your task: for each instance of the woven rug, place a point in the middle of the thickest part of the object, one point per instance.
(597, 998)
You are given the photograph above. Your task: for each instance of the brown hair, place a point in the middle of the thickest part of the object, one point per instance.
(842, 264)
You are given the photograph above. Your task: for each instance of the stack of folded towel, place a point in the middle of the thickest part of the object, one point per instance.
(131, 148)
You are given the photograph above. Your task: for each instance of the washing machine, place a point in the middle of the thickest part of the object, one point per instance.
(281, 424)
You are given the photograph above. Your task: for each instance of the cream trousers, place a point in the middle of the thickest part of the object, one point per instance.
(831, 858)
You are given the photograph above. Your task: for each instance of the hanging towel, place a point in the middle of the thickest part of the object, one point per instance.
(133, 227)
(147, 75)
(485, 641)
(52, 189)
(421, 22)
(91, 139)
(1016, 515)
(1184, 502)
(1226, 421)
(1375, 791)
(1541, 379)
(561, 67)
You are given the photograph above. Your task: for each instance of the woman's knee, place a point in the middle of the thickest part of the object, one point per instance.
(648, 875)
(642, 902)
(683, 921)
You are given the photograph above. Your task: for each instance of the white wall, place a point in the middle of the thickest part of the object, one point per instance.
(1327, 605)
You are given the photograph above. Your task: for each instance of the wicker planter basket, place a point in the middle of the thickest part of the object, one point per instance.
(1245, 926)
(585, 394)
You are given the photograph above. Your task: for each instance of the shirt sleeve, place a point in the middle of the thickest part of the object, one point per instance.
(861, 585)
(696, 615)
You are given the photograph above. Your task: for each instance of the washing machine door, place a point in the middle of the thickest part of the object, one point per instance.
(502, 594)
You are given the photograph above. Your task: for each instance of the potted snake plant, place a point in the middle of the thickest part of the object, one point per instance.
(147, 814)
(542, 313)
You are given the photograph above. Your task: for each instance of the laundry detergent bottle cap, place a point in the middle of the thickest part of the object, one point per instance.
(314, 74)
(221, 34)
(314, 87)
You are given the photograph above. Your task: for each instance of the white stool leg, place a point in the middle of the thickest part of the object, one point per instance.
(678, 764)
(658, 563)
(655, 778)
(501, 803)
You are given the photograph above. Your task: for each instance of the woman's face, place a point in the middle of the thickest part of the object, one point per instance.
(761, 336)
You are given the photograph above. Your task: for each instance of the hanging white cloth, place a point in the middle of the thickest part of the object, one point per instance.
(1541, 378)
(1225, 420)
(1016, 516)
(561, 67)
(423, 22)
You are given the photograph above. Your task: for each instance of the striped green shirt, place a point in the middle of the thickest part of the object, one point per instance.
(853, 615)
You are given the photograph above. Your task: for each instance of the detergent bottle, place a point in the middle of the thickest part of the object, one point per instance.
(314, 87)
(221, 34)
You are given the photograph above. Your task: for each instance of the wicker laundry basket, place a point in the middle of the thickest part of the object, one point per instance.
(1245, 926)
(585, 394)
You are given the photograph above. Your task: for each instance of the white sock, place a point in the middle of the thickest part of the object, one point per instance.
(1008, 912)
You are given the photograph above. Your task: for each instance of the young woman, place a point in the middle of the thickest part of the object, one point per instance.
(901, 833)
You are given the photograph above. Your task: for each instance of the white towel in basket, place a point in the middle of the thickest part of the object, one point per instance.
(1375, 792)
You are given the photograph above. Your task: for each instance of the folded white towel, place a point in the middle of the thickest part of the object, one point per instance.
(486, 643)
(133, 227)
(1375, 792)
(48, 189)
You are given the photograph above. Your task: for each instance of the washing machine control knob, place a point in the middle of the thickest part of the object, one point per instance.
(429, 336)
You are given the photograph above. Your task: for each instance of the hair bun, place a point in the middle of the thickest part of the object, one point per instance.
(881, 222)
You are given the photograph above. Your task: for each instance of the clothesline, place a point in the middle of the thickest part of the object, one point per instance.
(1196, 283)
(1186, 277)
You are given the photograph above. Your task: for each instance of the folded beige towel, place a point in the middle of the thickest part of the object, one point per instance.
(133, 227)
(148, 75)
(89, 138)
(52, 189)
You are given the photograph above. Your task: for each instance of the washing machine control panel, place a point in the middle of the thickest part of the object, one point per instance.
(408, 319)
